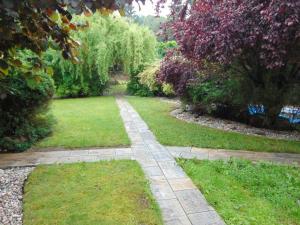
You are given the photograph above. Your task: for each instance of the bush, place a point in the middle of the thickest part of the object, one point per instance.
(148, 77)
(259, 38)
(219, 96)
(108, 45)
(164, 47)
(23, 109)
(168, 89)
(134, 87)
(178, 72)
(145, 83)
(211, 88)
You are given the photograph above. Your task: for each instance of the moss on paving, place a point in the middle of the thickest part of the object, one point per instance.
(86, 122)
(174, 132)
(246, 193)
(102, 193)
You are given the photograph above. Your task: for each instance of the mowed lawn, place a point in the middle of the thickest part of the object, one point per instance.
(102, 193)
(174, 132)
(247, 193)
(117, 89)
(86, 122)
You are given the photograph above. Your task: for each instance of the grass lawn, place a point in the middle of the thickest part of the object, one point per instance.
(174, 132)
(117, 89)
(86, 122)
(246, 193)
(102, 193)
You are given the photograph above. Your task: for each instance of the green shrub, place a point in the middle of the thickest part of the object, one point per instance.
(148, 77)
(23, 109)
(211, 88)
(134, 87)
(164, 47)
(168, 89)
(217, 96)
(108, 45)
(145, 83)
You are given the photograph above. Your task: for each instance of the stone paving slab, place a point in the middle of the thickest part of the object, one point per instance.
(183, 220)
(153, 171)
(193, 206)
(171, 170)
(182, 184)
(71, 156)
(161, 188)
(206, 218)
(214, 154)
(177, 196)
(171, 209)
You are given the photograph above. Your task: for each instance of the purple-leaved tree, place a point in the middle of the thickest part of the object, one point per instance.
(260, 39)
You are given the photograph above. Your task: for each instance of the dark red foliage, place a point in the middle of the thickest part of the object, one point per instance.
(177, 71)
(224, 30)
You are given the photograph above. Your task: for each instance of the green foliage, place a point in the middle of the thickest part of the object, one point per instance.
(148, 77)
(109, 44)
(31, 25)
(23, 108)
(217, 95)
(246, 193)
(168, 89)
(145, 83)
(153, 22)
(164, 47)
(134, 87)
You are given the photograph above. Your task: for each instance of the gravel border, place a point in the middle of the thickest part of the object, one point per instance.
(11, 194)
(229, 125)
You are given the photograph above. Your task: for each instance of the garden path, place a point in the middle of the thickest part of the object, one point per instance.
(179, 199)
(8, 160)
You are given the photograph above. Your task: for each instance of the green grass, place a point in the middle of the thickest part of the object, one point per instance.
(86, 122)
(248, 194)
(102, 193)
(174, 132)
(117, 89)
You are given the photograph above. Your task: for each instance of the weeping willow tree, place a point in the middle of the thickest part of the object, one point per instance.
(108, 44)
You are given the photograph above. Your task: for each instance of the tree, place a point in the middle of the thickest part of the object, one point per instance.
(27, 29)
(37, 24)
(110, 45)
(153, 22)
(130, 12)
(260, 39)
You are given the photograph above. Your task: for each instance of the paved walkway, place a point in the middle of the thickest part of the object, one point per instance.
(214, 154)
(71, 156)
(180, 201)
(92, 155)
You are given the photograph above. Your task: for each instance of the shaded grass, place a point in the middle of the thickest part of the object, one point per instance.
(117, 89)
(102, 193)
(246, 193)
(174, 132)
(86, 122)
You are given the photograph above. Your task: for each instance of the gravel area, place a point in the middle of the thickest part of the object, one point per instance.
(11, 194)
(175, 101)
(229, 125)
